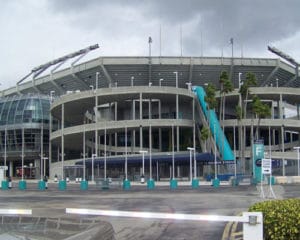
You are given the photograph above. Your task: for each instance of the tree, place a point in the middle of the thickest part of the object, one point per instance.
(228, 87)
(245, 91)
(210, 97)
(261, 110)
(204, 136)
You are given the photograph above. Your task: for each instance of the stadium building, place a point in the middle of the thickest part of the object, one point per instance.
(110, 114)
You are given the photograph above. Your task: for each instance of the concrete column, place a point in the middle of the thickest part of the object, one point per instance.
(150, 109)
(177, 127)
(11, 168)
(141, 106)
(62, 139)
(37, 164)
(50, 144)
(282, 149)
(116, 111)
(141, 118)
(159, 130)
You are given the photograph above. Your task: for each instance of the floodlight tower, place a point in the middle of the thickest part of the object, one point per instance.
(287, 58)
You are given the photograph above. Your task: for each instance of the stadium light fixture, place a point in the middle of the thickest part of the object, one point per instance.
(160, 80)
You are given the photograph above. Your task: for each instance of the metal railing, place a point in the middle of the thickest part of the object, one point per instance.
(252, 221)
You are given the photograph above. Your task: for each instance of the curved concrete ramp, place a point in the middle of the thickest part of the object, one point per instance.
(38, 228)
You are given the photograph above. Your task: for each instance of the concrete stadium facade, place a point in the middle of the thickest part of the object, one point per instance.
(101, 104)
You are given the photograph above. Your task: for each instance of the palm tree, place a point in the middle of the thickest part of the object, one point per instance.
(228, 87)
(244, 91)
(204, 136)
(223, 78)
(261, 110)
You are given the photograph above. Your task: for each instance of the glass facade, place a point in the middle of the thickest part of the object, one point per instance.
(24, 116)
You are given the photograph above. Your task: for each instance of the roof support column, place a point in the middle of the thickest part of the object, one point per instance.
(62, 140)
(159, 129)
(177, 127)
(141, 118)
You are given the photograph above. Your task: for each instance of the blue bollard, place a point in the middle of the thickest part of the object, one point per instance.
(150, 184)
(41, 185)
(126, 184)
(62, 185)
(22, 185)
(173, 184)
(4, 185)
(195, 183)
(216, 182)
(84, 185)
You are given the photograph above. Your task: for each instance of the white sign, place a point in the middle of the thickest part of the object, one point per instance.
(266, 166)
(4, 167)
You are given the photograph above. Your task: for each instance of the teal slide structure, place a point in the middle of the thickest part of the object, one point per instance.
(217, 132)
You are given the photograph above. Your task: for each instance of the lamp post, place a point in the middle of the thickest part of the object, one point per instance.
(189, 84)
(298, 157)
(176, 79)
(51, 95)
(131, 80)
(160, 80)
(143, 165)
(191, 169)
(97, 78)
(216, 181)
(173, 182)
(240, 80)
(126, 182)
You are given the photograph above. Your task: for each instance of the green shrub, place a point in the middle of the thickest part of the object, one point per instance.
(281, 218)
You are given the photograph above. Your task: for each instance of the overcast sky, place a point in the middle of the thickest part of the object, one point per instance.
(34, 32)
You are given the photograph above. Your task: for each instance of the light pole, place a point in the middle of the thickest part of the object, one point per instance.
(97, 78)
(132, 78)
(189, 84)
(160, 80)
(191, 169)
(298, 157)
(215, 162)
(51, 95)
(240, 80)
(173, 157)
(277, 82)
(143, 165)
(143, 161)
(176, 79)
(93, 159)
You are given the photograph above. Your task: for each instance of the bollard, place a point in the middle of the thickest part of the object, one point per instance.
(126, 184)
(62, 185)
(173, 184)
(41, 185)
(195, 183)
(150, 184)
(4, 185)
(84, 185)
(22, 185)
(216, 182)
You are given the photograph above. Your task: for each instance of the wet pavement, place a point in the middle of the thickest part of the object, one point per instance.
(225, 200)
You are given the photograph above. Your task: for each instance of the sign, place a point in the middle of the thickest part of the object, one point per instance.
(4, 167)
(266, 166)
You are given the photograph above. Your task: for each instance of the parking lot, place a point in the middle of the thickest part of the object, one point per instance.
(225, 200)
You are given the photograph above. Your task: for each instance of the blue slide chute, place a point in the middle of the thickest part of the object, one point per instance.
(217, 133)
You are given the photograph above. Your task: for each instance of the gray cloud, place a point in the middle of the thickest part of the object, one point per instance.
(37, 31)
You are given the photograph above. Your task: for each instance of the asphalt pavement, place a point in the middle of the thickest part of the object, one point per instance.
(225, 200)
